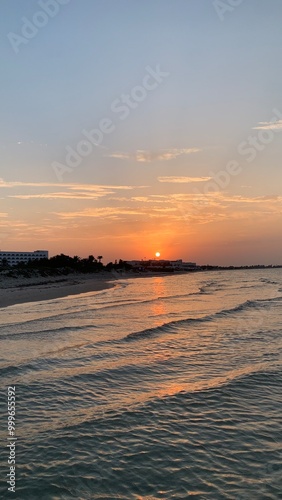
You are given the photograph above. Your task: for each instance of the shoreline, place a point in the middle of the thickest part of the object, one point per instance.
(21, 291)
(36, 288)
(14, 291)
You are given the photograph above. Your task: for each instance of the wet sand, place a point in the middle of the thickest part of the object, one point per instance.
(23, 290)
(36, 288)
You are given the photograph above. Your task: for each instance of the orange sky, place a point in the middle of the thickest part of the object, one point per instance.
(133, 222)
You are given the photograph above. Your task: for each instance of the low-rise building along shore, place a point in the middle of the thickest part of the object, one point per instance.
(14, 258)
(157, 264)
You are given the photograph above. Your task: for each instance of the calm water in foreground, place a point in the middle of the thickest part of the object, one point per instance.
(160, 388)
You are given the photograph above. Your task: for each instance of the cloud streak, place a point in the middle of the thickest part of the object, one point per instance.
(183, 180)
(71, 191)
(272, 125)
(143, 156)
(73, 186)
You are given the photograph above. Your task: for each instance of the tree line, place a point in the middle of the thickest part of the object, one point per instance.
(67, 264)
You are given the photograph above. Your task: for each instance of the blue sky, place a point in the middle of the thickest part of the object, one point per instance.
(224, 80)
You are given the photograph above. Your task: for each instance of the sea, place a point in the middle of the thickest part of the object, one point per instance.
(164, 387)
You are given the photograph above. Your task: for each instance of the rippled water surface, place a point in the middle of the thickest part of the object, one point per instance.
(159, 388)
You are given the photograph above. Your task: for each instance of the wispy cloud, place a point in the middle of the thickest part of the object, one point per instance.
(121, 156)
(45, 190)
(120, 212)
(259, 199)
(100, 213)
(143, 156)
(12, 184)
(272, 125)
(73, 186)
(183, 180)
(61, 196)
(123, 209)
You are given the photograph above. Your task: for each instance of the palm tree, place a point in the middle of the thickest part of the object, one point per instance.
(100, 258)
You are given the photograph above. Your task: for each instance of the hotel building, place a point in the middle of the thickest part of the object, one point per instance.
(177, 265)
(14, 258)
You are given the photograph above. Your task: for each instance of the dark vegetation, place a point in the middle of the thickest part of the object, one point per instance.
(61, 265)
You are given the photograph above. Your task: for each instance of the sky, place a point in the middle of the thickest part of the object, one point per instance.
(130, 127)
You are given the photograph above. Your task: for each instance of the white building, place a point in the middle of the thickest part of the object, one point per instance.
(186, 266)
(14, 258)
(177, 265)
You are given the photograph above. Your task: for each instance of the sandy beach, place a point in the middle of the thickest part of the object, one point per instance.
(23, 290)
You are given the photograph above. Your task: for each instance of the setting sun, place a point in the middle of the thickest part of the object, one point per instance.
(157, 254)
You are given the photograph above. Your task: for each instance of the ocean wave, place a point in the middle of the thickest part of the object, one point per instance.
(200, 441)
(44, 319)
(257, 285)
(245, 378)
(68, 312)
(206, 288)
(269, 282)
(42, 362)
(173, 326)
(49, 331)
